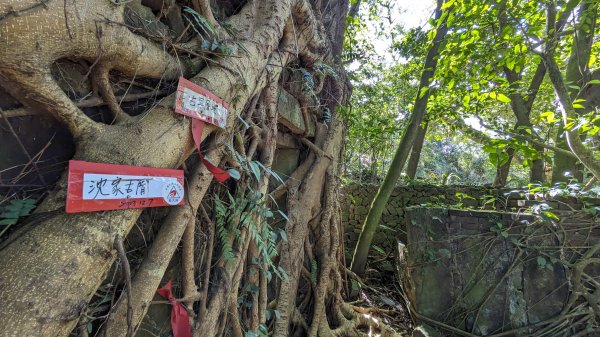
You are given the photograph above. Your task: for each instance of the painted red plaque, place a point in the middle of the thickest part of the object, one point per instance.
(194, 101)
(97, 187)
(202, 106)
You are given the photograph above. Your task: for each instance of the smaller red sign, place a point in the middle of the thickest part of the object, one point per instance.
(202, 106)
(97, 187)
(194, 101)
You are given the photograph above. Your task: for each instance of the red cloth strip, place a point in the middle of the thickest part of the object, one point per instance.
(197, 129)
(180, 321)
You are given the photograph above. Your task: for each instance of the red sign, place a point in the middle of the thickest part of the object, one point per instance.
(202, 106)
(98, 187)
(194, 101)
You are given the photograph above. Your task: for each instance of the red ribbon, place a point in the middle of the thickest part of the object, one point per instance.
(220, 174)
(180, 321)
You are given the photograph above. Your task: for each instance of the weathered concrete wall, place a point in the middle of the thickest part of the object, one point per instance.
(356, 200)
(489, 272)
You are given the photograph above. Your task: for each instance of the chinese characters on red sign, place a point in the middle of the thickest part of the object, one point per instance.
(96, 187)
(199, 103)
(202, 106)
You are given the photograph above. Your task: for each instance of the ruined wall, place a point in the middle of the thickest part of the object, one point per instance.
(487, 272)
(356, 200)
(487, 269)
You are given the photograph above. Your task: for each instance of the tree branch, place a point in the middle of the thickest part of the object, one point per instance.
(584, 155)
(203, 8)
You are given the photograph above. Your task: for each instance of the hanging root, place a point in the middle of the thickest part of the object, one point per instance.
(101, 79)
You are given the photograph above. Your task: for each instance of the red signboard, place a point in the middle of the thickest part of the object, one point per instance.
(96, 187)
(194, 101)
(202, 106)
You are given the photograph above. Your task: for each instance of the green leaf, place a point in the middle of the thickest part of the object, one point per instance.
(379, 250)
(541, 261)
(10, 221)
(550, 215)
(283, 215)
(234, 174)
(10, 214)
(283, 235)
(384, 227)
(466, 100)
(255, 169)
(199, 22)
(498, 159)
(502, 98)
(448, 4)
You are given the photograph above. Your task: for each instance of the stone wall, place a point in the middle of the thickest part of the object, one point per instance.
(356, 200)
(487, 272)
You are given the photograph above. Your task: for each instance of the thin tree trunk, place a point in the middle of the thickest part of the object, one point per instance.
(537, 172)
(503, 170)
(565, 169)
(415, 154)
(577, 72)
(359, 259)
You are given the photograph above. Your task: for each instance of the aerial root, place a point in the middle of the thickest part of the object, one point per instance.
(102, 81)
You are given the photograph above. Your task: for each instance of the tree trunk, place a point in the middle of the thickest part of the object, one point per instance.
(361, 252)
(564, 168)
(49, 273)
(537, 172)
(503, 170)
(415, 153)
(577, 74)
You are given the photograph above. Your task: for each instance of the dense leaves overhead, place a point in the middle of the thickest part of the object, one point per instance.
(490, 87)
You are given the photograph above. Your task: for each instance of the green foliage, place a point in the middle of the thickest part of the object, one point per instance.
(251, 211)
(225, 225)
(325, 70)
(484, 76)
(248, 211)
(253, 168)
(314, 272)
(16, 209)
(207, 31)
(199, 24)
(308, 82)
(501, 232)
(263, 331)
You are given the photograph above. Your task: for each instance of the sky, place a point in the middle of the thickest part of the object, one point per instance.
(417, 12)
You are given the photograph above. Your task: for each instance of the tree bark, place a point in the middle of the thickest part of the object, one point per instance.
(503, 170)
(45, 290)
(577, 74)
(415, 153)
(580, 50)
